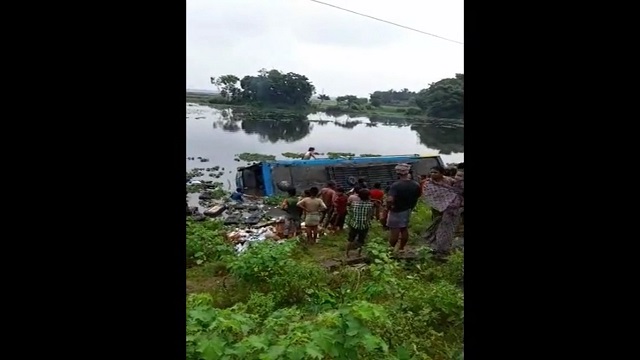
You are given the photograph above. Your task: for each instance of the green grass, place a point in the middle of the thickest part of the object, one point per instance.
(329, 247)
(276, 301)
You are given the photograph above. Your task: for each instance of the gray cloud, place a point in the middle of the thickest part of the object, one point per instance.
(340, 52)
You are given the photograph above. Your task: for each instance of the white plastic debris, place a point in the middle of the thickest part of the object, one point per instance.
(243, 238)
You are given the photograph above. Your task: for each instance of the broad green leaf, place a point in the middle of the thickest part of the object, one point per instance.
(295, 352)
(273, 353)
(257, 342)
(202, 315)
(371, 342)
(402, 353)
(314, 351)
(211, 348)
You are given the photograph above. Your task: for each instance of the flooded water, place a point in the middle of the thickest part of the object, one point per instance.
(220, 135)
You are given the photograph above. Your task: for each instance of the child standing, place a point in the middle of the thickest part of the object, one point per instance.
(353, 195)
(359, 221)
(312, 206)
(340, 210)
(377, 196)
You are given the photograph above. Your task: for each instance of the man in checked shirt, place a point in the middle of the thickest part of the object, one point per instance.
(359, 221)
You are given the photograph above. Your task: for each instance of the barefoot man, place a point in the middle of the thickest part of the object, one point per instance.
(310, 154)
(328, 194)
(402, 198)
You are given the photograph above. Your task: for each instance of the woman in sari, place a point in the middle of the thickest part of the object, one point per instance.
(447, 203)
(437, 176)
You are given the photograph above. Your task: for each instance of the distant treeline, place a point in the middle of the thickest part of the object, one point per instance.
(442, 99)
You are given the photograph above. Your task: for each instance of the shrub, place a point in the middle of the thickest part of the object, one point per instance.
(413, 111)
(206, 242)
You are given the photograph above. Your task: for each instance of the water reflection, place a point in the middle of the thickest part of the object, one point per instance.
(349, 124)
(274, 131)
(227, 125)
(449, 139)
(293, 127)
(321, 122)
(227, 121)
(389, 121)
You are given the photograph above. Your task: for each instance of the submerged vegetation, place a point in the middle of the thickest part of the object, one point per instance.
(292, 155)
(253, 157)
(340, 155)
(278, 301)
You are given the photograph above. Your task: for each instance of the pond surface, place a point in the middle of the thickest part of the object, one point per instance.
(221, 134)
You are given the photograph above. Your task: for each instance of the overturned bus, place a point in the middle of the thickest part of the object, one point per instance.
(268, 178)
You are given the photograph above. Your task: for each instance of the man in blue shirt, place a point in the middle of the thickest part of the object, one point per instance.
(238, 195)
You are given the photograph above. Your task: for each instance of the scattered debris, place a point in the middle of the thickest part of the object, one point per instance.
(194, 173)
(194, 214)
(243, 238)
(216, 210)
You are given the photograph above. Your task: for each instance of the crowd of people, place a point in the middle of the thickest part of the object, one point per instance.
(332, 208)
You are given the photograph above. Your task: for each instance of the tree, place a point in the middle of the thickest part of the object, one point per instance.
(274, 87)
(227, 85)
(323, 97)
(375, 99)
(444, 98)
(349, 99)
(391, 97)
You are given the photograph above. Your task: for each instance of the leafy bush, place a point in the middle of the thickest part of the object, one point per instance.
(273, 305)
(275, 200)
(269, 268)
(286, 334)
(206, 242)
(333, 108)
(413, 111)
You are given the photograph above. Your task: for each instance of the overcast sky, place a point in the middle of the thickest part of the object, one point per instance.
(340, 52)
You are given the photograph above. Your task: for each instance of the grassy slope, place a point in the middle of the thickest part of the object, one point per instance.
(209, 277)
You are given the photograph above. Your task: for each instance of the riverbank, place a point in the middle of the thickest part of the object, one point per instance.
(280, 299)
(329, 107)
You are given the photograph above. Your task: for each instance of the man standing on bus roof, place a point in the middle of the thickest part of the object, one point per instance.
(309, 154)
